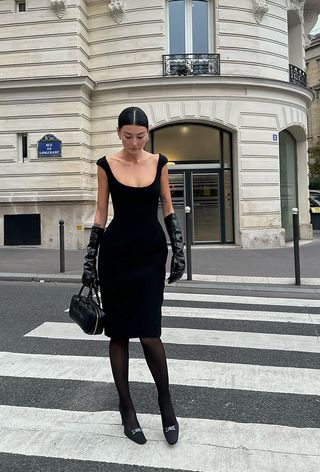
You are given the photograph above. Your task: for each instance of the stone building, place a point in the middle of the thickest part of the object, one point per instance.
(313, 77)
(222, 81)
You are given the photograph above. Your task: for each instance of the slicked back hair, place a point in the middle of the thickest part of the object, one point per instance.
(133, 116)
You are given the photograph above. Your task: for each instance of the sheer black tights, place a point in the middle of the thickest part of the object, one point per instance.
(119, 359)
(156, 359)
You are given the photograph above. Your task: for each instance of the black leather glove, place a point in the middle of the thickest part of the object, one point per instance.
(89, 275)
(175, 235)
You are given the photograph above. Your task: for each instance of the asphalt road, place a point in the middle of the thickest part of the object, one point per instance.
(231, 399)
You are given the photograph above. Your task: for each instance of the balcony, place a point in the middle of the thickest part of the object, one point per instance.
(297, 76)
(191, 64)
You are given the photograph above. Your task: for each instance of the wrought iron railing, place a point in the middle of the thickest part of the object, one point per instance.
(297, 76)
(191, 64)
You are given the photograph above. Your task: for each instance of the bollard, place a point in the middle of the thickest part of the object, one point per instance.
(295, 219)
(188, 241)
(62, 252)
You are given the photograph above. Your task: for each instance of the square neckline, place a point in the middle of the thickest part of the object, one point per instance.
(131, 186)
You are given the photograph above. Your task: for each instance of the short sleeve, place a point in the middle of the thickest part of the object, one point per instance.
(102, 162)
(162, 160)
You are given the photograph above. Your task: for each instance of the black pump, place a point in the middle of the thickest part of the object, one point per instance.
(136, 435)
(171, 433)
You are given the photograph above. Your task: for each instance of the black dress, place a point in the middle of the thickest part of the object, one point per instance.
(132, 259)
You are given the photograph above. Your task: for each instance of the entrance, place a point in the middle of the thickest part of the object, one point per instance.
(211, 206)
(200, 176)
(22, 229)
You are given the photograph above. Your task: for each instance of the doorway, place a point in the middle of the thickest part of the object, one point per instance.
(200, 176)
(22, 229)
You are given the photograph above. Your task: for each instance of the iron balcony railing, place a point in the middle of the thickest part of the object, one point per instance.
(297, 76)
(191, 64)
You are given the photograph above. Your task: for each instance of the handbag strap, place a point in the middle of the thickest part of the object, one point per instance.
(93, 288)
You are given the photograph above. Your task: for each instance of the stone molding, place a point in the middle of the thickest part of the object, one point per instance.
(298, 6)
(260, 8)
(311, 13)
(116, 7)
(60, 7)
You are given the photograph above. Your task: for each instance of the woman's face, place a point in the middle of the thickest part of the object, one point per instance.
(133, 137)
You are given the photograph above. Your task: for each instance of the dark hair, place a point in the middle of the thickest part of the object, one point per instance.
(133, 116)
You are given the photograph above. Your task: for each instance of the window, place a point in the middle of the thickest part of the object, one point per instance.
(21, 6)
(288, 181)
(188, 26)
(22, 147)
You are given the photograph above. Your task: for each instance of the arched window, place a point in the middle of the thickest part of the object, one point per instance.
(189, 26)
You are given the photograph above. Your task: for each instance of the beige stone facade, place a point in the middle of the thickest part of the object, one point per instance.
(313, 75)
(70, 72)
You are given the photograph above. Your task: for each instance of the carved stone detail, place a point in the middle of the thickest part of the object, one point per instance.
(298, 6)
(260, 8)
(116, 8)
(59, 7)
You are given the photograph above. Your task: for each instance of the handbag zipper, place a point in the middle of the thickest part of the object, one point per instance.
(96, 326)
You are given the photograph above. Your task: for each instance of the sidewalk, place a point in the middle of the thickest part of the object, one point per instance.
(212, 264)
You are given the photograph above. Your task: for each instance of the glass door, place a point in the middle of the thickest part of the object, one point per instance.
(206, 207)
(209, 195)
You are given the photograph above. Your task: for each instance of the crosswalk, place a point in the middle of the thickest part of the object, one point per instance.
(245, 376)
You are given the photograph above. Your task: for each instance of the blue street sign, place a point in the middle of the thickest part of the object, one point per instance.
(49, 146)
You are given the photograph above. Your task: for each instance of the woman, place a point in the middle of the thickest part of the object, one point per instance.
(132, 262)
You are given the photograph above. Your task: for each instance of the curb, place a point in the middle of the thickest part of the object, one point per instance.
(199, 281)
(25, 277)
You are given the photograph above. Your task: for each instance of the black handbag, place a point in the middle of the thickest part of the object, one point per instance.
(86, 312)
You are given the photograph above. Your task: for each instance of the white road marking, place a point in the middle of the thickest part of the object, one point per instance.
(247, 279)
(226, 314)
(182, 372)
(196, 297)
(197, 337)
(204, 445)
(250, 315)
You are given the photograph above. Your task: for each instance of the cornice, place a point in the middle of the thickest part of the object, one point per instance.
(157, 82)
(221, 81)
(45, 82)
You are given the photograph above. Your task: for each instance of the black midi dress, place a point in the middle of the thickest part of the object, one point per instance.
(132, 259)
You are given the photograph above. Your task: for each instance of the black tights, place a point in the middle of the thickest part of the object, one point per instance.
(156, 359)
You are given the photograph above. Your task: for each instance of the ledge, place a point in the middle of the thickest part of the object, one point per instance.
(25, 83)
(29, 199)
(159, 81)
(191, 81)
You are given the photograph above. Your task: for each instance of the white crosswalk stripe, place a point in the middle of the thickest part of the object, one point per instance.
(219, 445)
(205, 444)
(194, 337)
(182, 372)
(196, 297)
